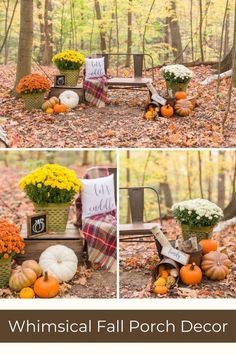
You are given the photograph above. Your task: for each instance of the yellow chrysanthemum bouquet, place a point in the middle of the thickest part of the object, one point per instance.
(52, 188)
(51, 183)
(68, 60)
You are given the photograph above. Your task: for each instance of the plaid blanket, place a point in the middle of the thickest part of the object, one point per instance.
(100, 234)
(99, 231)
(96, 91)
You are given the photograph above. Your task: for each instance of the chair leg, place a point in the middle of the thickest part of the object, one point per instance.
(85, 255)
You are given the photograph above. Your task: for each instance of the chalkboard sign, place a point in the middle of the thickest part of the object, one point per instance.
(36, 224)
(60, 80)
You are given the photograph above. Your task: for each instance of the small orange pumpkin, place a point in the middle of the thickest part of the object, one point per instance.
(60, 108)
(191, 274)
(167, 111)
(49, 110)
(180, 95)
(208, 246)
(27, 293)
(160, 290)
(46, 286)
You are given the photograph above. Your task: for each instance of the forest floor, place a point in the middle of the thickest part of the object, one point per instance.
(137, 261)
(15, 206)
(121, 123)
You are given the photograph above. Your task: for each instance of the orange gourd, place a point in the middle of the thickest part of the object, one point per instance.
(180, 95)
(208, 246)
(167, 111)
(27, 293)
(22, 278)
(191, 274)
(183, 108)
(215, 265)
(49, 110)
(160, 290)
(60, 108)
(32, 265)
(46, 286)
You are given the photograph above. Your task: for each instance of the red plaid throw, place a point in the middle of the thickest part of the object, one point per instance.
(100, 234)
(99, 231)
(96, 91)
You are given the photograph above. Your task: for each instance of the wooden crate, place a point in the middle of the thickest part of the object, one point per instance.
(35, 245)
(57, 90)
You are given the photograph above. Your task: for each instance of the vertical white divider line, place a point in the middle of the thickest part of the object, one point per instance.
(118, 223)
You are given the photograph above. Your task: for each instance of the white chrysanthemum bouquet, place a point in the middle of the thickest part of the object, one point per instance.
(176, 73)
(197, 212)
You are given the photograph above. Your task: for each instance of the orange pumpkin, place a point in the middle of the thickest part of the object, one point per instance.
(191, 274)
(208, 246)
(60, 108)
(46, 286)
(183, 108)
(180, 95)
(167, 111)
(27, 293)
(49, 110)
(215, 265)
(160, 290)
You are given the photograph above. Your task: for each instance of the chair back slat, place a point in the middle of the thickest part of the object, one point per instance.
(138, 65)
(113, 170)
(106, 60)
(136, 203)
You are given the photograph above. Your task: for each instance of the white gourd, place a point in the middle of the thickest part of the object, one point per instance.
(59, 261)
(69, 98)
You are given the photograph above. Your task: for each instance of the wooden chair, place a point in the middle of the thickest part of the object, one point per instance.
(137, 230)
(137, 81)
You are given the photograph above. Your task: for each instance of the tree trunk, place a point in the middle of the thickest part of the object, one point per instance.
(101, 27)
(164, 186)
(201, 31)
(210, 177)
(6, 30)
(230, 210)
(189, 175)
(175, 34)
(47, 54)
(129, 35)
(227, 31)
(226, 63)
(234, 51)
(200, 173)
(128, 216)
(85, 159)
(41, 28)
(221, 181)
(25, 40)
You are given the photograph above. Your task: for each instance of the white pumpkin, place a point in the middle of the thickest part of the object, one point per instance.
(59, 261)
(69, 98)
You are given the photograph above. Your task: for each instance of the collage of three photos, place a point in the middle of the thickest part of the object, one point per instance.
(117, 149)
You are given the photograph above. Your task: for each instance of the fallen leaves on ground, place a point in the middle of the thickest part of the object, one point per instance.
(120, 123)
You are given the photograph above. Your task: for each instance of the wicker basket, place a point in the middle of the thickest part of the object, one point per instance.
(173, 87)
(57, 215)
(5, 272)
(201, 233)
(33, 100)
(71, 77)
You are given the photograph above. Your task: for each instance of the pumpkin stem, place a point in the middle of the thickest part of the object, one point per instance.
(46, 276)
(192, 266)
